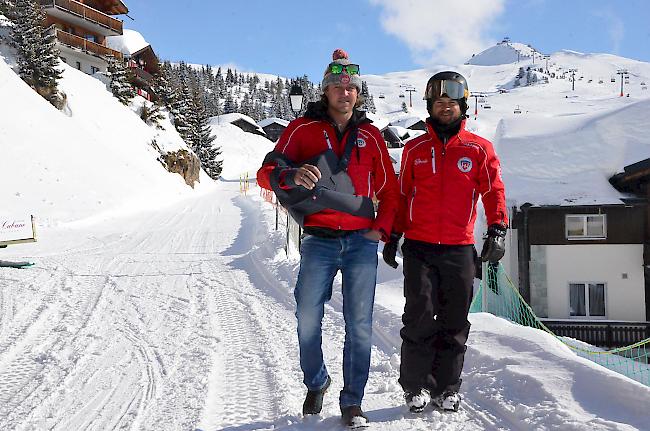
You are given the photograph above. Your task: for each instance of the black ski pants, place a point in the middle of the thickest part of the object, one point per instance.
(438, 286)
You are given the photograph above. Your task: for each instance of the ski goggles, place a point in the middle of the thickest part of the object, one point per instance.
(445, 87)
(350, 69)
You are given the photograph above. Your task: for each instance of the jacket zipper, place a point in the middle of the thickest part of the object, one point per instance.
(433, 158)
(368, 184)
(327, 138)
(471, 209)
(412, 203)
(442, 175)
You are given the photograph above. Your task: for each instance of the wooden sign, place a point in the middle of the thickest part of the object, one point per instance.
(14, 230)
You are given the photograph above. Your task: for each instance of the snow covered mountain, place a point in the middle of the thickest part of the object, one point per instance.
(557, 145)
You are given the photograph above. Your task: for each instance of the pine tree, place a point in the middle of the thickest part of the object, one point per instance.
(150, 114)
(119, 76)
(182, 111)
(37, 55)
(229, 105)
(203, 138)
(6, 8)
(163, 87)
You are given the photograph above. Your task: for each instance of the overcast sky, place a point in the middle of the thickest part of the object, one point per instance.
(381, 35)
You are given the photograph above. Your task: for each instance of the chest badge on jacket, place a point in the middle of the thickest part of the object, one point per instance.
(465, 164)
(361, 143)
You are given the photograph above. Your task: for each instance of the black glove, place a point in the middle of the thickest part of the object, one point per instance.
(494, 243)
(390, 249)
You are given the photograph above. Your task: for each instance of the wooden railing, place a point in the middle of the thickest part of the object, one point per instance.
(85, 12)
(603, 334)
(86, 45)
(142, 74)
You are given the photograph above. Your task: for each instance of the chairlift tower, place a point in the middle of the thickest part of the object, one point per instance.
(573, 79)
(410, 90)
(624, 74)
(476, 96)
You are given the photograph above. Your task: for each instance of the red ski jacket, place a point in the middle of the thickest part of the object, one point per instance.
(440, 185)
(370, 168)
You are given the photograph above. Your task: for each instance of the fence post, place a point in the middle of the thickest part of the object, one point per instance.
(286, 246)
(484, 282)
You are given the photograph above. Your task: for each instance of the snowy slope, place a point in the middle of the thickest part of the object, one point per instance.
(504, 53)
(95, 159)
(565, 144)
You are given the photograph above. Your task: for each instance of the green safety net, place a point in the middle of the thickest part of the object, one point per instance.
(497, 295)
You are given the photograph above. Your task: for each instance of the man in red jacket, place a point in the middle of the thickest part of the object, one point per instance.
(442, 175)
(337, 238)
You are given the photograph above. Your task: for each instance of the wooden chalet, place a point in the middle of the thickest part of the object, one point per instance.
(585, 269)
(144, 65)
(273, 127)
(81, 28)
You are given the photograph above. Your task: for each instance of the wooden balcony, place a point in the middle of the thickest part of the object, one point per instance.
(86, 45)
(84, 16)
(607, 334)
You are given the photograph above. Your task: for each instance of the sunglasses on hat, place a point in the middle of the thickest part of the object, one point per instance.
(350, 69)
(445, 87)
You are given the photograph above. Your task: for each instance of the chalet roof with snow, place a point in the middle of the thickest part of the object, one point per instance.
(242, 121)
(267, 121)
(129, 43)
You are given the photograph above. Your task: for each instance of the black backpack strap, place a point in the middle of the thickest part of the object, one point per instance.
(347, 152)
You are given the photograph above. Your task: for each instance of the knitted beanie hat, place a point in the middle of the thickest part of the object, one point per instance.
(339, 56)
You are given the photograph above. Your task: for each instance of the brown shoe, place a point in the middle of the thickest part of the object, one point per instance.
(354, 418)
(314, 400)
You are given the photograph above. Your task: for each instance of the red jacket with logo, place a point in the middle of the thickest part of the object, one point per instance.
(370, 169)
(440, 185)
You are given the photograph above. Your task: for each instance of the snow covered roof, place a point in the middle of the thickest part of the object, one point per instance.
(265, 122)
(128, 43)
(400, 132)
(235, 116)
(406, 122)
(570, 161)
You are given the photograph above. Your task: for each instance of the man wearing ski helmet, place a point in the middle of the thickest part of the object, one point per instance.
(443, 174)
(338, 235)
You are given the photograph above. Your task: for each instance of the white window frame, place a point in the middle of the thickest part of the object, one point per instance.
(584, 226)
(585, 285)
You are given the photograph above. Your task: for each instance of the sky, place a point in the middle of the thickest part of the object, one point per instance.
(381, 35)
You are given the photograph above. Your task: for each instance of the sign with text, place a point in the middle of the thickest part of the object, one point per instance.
(17, 229)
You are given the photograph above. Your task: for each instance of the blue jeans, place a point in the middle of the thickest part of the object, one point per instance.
(321, 258)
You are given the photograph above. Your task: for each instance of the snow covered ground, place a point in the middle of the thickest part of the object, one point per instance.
(153, 306)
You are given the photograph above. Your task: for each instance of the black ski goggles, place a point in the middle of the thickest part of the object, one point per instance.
(446, 87)
(350, 69)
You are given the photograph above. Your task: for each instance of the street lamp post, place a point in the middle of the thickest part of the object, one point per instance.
(623, 73)
(295, 98)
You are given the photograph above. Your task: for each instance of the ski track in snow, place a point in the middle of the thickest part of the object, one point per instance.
(182, 322)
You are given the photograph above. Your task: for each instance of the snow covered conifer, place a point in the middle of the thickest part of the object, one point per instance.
(203, 138)
(119, 80)
(37, 55)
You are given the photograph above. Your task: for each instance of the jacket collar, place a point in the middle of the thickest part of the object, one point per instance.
(431, 130)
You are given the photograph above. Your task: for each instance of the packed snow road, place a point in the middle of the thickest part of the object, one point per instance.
(182, 319)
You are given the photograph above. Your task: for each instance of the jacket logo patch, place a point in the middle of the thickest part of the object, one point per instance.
(361, 143)
(420, 161)
(465, 164)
